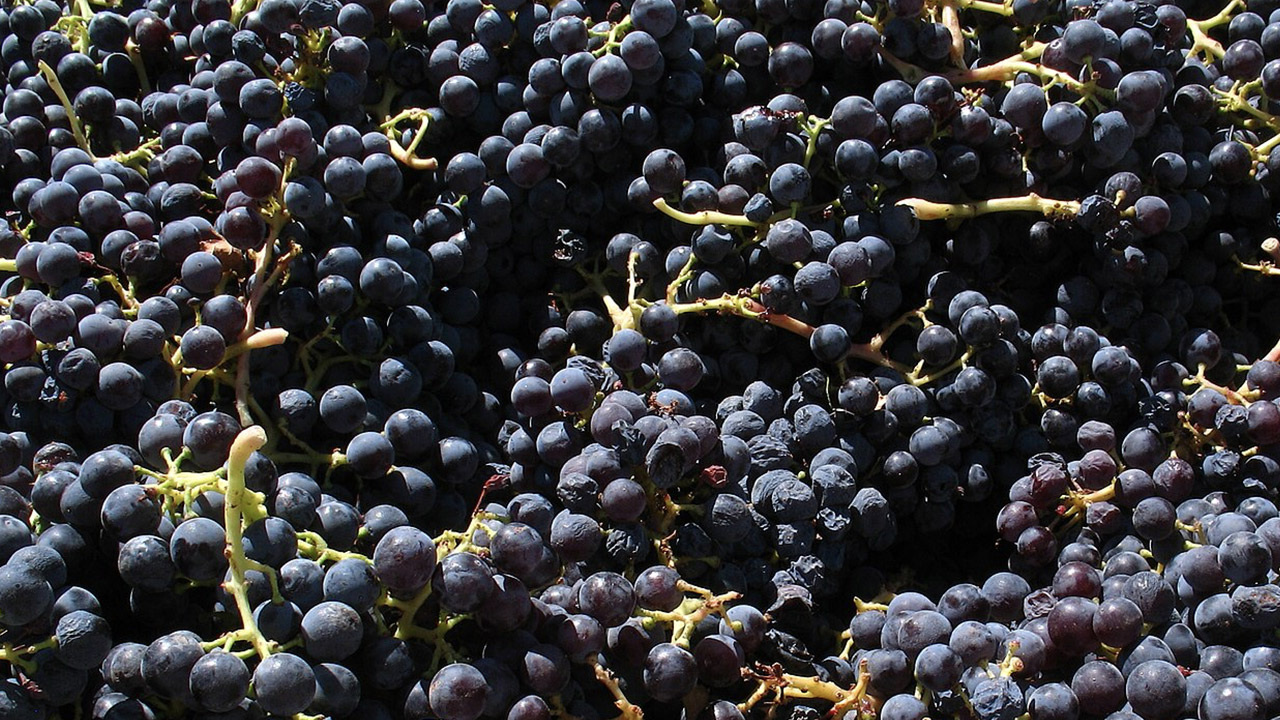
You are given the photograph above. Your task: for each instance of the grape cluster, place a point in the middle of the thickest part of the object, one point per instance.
(449, 360)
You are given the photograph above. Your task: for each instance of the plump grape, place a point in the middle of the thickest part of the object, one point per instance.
(219, 681)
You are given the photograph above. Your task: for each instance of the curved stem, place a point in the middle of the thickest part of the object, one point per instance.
(1200, 40)
(685, 274)
(1233, 102)
(629, 711)
(814, 129)
(240, 8)
(1235, 397)
(406, 155)
(73, 119)
(1077, 502)
(623, 317)
(17, 656)
(135, 58)
(705, 217)
(951, 21)
(866, 353)
(236, 499)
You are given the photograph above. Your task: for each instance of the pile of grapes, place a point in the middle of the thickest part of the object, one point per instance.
(579, 359)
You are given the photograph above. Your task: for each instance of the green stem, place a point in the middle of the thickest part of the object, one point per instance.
(613, 40)
(314, 545)
(811, 147)
(55, 84)
(405, 155)
(240, 8)
(135, 58)
(17, 656)
(685, 274)
(705, 217)
(238, 497)
(1200, 40)
(745, 307)
(929, 210)
(629, 710)
(915, 378)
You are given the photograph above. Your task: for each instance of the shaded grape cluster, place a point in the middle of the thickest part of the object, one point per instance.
(449, 360)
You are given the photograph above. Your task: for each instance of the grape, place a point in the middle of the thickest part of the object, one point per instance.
(1156, 689)
(669, 671)
(1099, 687)
(525, 164)
(84, 639)
(463, 581)
(1118, 622)
(1025, 104)
(919, 630)
(351, 581)
(1230, 698)
(260, 99)
(283, 683)
(657, 589)
(544, 668)
(581, 637)
(574, 536)
(1058, 376)
(663, 169)
(1243, 555)
(623, 500)
(529, 707)
(105, 471)
(458, 692)
(370, 454)
(681, 369)
(938, 667)
(196, 548)
(52, 321)
(270, 540)
(1004, 591)
(404, 559)
(998, 697)
(301, 582)
(167, 663)
(43, 561)
(342, 408)
(904, 707)
(1053, 700)
(144, 563)
(209, 436)
(1154, 518)
(337, 690)
(120, 386)
(607, 597)
(789, 183)
(973, 642)
(571, 390)
(219, 681)
(331, 631)
(1064, 123)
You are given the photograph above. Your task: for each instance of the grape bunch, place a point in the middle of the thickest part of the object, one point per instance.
(862, 359)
